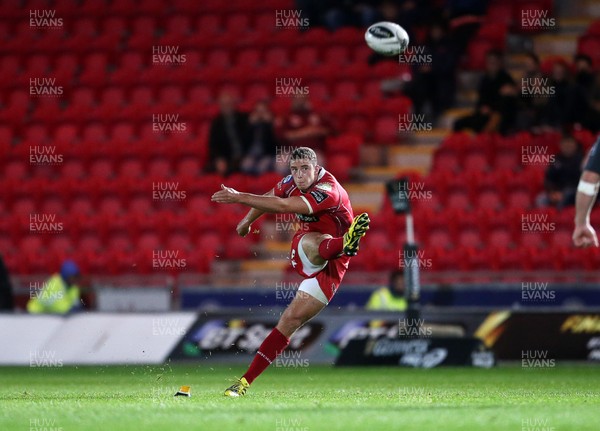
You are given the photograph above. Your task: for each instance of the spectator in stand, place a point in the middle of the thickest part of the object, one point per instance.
(262, 144)
(410, 14)
(342, 13)
(530, 108)
(303, 127)
(465, 18)
(562, 176)
(584, 72)
(587, 83)
(591, 120)
(60, 294)
(227, 137)
(390, 298)
(497, 100)
(568, 105)
(433, 84)
(335, 14)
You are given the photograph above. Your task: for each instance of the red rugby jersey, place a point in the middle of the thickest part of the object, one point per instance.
(331, 212)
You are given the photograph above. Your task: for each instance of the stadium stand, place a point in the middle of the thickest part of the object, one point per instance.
(112, 157)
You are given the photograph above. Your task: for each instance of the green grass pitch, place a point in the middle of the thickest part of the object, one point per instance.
(138, 398)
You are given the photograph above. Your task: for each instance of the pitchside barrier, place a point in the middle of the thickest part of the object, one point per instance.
(456, 337)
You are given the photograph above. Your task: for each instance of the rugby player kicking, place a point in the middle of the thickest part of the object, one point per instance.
(321, 248)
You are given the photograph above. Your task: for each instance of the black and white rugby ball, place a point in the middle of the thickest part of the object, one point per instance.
(387, 38)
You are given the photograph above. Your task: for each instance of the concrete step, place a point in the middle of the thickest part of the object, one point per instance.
(590, 8)
(574, 26)
(416, 157)
(555, 44)
(466, 98)
(259, 268)
(432, 137)
(368, 196)
(383, 174)
(449, 117)
(372, 155)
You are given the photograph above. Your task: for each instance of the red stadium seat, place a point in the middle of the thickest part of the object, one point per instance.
(36, 134)
(306, 56)
(82, 206)
(500, 12)
(238, 23)
(189, 168)
(458, 200)
(469, 239)
(500, 238)
(590, 45)
(209, 23)
(53, 205)
(489, 199)
(340, 166)
(237, 247)
(445, 161)
(277, 57)
(94, 70)
(143, 34)
(439, 238)
(111, 104)
(386, 130)
(561, 238)
(337, 55)
(476, 161)
(507, 160)
(159, 168)
(102, 168)
(16, 170)
(518, 199)
(131, 67)
(476, 52)
(348, 143)
(493, 32)
(46, 110)
(38, 65)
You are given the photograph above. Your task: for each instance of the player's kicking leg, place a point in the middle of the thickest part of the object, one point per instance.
(314, 251)
(302, 308)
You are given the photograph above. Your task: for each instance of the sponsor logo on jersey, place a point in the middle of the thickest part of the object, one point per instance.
(325, 186)
(287, 179)
(319, 196)
(307, 218)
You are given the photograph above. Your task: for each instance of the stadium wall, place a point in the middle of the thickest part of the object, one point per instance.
(234, 336)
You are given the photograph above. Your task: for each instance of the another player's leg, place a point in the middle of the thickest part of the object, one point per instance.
(303, 307)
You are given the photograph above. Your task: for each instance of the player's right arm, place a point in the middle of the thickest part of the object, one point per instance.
(269, 204)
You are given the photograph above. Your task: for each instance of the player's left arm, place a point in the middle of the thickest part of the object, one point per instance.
(243, 227)
(269, 204)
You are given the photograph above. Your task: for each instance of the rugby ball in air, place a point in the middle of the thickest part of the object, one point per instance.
(387, 38)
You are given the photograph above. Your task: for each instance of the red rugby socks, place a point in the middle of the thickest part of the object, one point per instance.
(274, 344)
(331, 248)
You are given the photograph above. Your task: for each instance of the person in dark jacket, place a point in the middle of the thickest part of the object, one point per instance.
(227, 142)
(497, 100)
(562, 176)
(262, 144)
